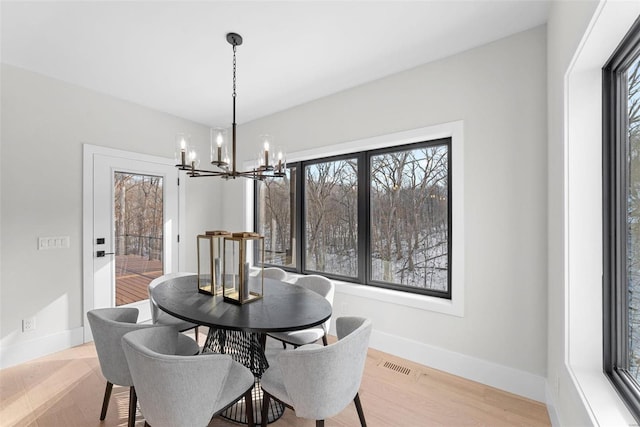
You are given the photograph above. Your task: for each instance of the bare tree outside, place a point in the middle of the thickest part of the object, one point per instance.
(409, 218)
(276, 219)
(331, 217)
(138, 217)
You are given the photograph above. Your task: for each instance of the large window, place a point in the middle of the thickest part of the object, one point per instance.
(379, 217)
(621, 138)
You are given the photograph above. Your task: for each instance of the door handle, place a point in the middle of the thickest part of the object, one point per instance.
(100, 254)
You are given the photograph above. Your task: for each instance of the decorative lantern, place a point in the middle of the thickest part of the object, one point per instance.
(240, 287)
(211, 261)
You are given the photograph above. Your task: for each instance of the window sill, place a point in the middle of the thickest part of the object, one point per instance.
(453, 307)
(603, 404)
(422, 302)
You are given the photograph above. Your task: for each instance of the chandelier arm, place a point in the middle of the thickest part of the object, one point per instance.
(253, 173)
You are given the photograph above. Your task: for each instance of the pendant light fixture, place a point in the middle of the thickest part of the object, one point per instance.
(271, 162)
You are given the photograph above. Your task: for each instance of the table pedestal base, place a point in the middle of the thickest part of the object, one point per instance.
(245, 348)
(236, 413)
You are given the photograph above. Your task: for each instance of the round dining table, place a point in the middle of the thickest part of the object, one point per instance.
(240, 330)
(283, 307)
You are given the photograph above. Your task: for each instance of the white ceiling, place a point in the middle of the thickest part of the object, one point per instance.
(173, 55)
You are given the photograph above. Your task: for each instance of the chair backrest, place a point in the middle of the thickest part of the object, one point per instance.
(174, 390)
(274, 273)
(322, 381)
(322, 286)
(108, 326)
(155, 282)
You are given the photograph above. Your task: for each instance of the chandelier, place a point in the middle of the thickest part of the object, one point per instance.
(270, 161)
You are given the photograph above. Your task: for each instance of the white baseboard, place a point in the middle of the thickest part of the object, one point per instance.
(28, 350)
(485, 372)
(551, 407)
(492, 374)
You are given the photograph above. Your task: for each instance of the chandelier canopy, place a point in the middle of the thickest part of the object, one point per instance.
(270, 162)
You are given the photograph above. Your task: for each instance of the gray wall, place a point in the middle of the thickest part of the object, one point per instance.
(499, 91)
(44, 124)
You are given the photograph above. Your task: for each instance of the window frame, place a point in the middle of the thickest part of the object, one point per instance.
(408, 147)
(615, 190)
(301, 217)
(364, 244)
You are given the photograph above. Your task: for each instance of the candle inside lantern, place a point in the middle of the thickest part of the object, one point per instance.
(266, 154)
(217, 272)
(245, 282)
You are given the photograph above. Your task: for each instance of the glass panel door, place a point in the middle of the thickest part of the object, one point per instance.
(138, 223)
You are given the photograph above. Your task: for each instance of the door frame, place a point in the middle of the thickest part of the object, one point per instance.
(90, 153)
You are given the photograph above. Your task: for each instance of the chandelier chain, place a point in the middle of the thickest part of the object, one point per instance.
(234, 71)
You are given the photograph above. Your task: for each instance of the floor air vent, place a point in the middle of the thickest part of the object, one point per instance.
(397, 368)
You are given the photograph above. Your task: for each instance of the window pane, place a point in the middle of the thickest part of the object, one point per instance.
(633, 219)
(138, 214)
(331, 217)
(409, 218)
(276, 220)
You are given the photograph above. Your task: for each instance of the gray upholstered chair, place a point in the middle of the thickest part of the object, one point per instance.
(183, 390)
(274, 273)
(159, 317)
(108, 325)
(319, 382)
(320, 285)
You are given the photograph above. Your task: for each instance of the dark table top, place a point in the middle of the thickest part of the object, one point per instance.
(284, 307)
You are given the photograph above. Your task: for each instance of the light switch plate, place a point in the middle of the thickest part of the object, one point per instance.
(59, 242)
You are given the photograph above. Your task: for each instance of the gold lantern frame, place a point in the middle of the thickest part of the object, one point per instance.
(236, 279)
(215, 242)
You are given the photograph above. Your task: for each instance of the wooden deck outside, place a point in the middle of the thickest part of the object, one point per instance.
(133, 274)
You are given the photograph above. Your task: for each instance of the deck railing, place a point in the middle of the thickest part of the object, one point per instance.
(145, 246)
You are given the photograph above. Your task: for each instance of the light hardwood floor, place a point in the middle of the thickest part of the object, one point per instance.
(66, 389)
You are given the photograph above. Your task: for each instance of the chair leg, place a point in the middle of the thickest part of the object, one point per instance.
(324, 340)
(264, 415)
(284, 345)
(248, 405)
(319, 423)
(105, 401)
(133, 400)
(196, 332)
(356, 400)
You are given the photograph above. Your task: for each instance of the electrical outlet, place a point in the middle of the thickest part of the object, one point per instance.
(29, 324)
